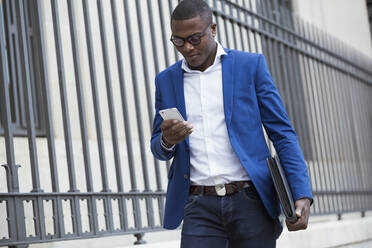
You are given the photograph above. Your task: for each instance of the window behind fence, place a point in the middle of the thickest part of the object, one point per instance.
(16, 73)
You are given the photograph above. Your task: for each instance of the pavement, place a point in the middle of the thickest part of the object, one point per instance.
(365, 244)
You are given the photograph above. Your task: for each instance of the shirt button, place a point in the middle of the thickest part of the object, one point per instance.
(185, 176)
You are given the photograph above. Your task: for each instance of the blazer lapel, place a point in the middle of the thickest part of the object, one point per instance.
(228, 85)
(177, 80)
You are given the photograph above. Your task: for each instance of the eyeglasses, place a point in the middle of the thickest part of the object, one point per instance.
(193, 39)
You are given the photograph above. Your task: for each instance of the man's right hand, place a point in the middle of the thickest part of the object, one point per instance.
(174, 131)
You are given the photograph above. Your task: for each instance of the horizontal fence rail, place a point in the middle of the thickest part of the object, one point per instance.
(77, 86)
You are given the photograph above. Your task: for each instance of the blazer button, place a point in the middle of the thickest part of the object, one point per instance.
(185, 176)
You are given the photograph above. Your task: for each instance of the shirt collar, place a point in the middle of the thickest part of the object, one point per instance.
(217, 59)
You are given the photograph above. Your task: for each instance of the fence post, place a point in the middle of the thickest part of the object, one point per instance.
(17, 229)
(139, 240)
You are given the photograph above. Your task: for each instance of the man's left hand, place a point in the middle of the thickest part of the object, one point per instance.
(302, 212)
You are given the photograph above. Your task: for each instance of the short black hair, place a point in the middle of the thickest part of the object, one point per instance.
(188, 9)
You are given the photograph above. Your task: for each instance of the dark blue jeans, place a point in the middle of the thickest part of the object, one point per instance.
(234, 221)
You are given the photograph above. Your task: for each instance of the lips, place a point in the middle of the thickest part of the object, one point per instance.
(193, 56)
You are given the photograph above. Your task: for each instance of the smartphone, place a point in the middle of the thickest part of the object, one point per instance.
(171, 113)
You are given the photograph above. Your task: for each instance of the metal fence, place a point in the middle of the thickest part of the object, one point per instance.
(86, 71)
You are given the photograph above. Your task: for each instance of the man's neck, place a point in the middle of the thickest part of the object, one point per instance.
(209, 61)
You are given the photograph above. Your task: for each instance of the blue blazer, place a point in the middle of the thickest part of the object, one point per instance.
(250, 99)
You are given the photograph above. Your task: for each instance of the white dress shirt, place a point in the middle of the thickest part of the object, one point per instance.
(212, 158)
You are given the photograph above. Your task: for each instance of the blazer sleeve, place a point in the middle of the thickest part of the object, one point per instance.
(280, 131)
(156, 148)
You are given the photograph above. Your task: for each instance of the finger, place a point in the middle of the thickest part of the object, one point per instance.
(166, 124)
(300, 224)
(182, 134)
(298, 212)
(181, 127)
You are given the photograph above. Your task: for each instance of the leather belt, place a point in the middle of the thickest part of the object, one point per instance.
(220, 189)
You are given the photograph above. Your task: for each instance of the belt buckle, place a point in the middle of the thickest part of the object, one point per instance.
(220, 189)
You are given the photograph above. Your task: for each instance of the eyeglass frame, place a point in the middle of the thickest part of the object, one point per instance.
(200, 35)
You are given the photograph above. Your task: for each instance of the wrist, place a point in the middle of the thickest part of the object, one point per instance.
(166, 143)
(166, 146)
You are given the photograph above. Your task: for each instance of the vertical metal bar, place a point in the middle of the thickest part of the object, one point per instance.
(269, 47)
(28, 98)
(38, 208)
(156, 64)
(349, 139)
(164, 33)
(317, 120)
(358, 98)
(124, 101)
(105, 188)
(341, 99)
(170, 5)
(137, 98)
(80, 96)
(313, 145)
(332, 132)
(165, 46)
(326, 156)
(232, 27)
(96, 104)
(124, 104)
(285, 79)
(58, 224)
(297, 91)
(336, 135)
(340, 140)
(114, 135)
(247, 28)
(33, 56)
(348, 114)
(15, 64)
(46, 103)
(357, 149)
(63, 95)
(13, 57)
(11, 168)
(253, 31)
(307, 116)
(363, 93)
(149, 206)
(225, 25)
(329, 159)
(347, 134)
(341, 150)
(76, 215)
(368, 100)
(239, 17)
(217, 17)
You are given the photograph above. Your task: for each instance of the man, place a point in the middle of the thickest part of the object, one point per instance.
(219, 182)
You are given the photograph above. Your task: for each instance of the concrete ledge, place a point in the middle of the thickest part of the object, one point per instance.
(328, 234)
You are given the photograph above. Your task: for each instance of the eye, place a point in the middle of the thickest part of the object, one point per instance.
(195, 39)
(177, 41)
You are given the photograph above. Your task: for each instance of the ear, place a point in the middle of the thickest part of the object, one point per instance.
(214, 29)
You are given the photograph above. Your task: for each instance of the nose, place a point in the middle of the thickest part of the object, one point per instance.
(187, 47)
